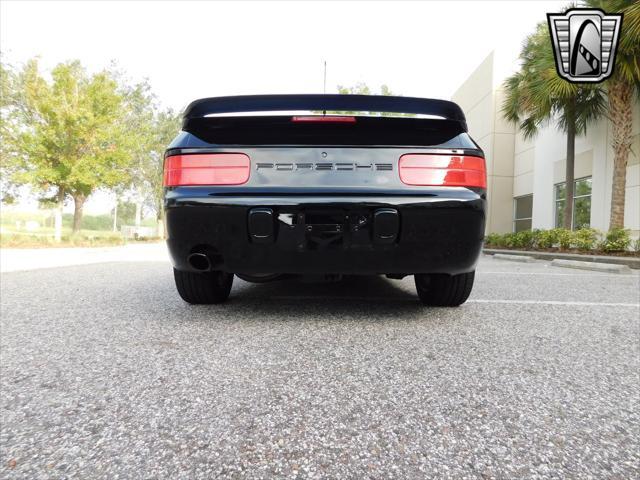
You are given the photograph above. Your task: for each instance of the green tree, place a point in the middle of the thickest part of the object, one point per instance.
(69, 135)
(359, 88)
(155, 129)
(139, 120)
(536, 94)
(166, 125)
(362, 88)
(126, 213)
(7, 127)
(621, 87)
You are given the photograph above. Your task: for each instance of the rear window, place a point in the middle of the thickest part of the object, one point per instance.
(378, 131)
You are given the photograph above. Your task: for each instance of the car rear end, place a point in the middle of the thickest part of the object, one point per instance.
(263, 186)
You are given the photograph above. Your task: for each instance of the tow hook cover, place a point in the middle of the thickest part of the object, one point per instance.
(386, 224)
(261, 225)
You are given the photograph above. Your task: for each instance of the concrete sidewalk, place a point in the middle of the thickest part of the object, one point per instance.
(631, 262)
(16, 259)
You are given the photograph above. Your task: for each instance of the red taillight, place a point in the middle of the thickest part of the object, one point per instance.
(324, 119)
(443, 170)
(206, 169)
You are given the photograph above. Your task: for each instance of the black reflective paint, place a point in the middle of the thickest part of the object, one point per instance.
(323, 186)
(439, 232)
(366, 131)
(316, 102)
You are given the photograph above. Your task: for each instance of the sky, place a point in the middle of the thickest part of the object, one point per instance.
(189, 50)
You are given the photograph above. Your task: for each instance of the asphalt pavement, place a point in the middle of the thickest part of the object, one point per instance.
(106, 373)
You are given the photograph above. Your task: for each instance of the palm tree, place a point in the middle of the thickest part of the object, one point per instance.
(536, 94)
(621, 87)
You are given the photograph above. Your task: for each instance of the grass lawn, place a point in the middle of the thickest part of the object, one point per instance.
(44, 237)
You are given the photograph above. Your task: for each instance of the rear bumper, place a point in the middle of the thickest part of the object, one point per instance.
(438, 232)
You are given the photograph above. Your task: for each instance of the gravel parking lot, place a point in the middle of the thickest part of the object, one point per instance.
(106, 373)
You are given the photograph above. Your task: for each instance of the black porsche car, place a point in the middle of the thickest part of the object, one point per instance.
(268, 186)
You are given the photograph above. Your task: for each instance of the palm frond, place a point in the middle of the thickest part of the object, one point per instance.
(627, 64)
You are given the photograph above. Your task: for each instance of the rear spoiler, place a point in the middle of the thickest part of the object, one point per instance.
(352, 103)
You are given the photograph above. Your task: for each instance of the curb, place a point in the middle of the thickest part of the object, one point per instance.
(598, 267)
(514, 258)
(631, 262)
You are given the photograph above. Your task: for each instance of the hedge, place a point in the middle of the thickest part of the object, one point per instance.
(585, 239)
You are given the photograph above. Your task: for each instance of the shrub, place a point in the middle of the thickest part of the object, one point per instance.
(500, 239)
(83, 239)
(97, 222)
(564, 238)
(616, 240)
(547, 238)
(25, 241)
(493, 239)
(535, 237)
(507, 239)
(585, 238)
(523, 239)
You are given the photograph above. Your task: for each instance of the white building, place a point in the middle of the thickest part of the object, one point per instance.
(525, 178)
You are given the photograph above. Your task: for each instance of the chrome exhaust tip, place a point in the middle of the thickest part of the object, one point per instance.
(199, 261)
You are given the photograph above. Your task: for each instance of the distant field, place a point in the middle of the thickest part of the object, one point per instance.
(44, 237)
(15, 231)
(18, 219)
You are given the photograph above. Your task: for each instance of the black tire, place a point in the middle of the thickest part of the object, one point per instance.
(203, 288)
(440, 290)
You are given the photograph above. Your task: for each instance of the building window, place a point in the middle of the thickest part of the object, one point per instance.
(522, 208)
(581, 217)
